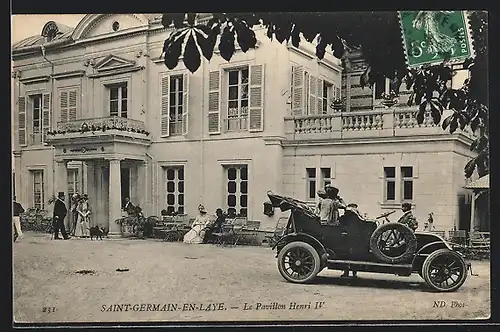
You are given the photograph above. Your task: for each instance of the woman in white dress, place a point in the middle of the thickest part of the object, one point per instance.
(199, 227)
(83, 224)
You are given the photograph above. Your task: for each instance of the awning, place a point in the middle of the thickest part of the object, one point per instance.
(481, 183)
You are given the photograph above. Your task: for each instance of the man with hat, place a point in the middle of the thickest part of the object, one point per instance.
(60, 212)
(407, 218)
(324, 207)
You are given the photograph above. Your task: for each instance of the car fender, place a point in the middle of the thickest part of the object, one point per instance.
(436, 245)
(305, 237)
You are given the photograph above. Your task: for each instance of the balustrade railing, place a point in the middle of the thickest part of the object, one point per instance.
(369, 120)
(101, 124)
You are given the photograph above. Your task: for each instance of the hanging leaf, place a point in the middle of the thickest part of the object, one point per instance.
(338, 48)
(454, 125)
(173, 49)
(436, 115)
(206, 44)
(191, 17)
(283, 33)
(475, 123)
(447, 121)
(226, 44)
(179, 20)
(421, 112)
(245, 37)
(295, 36)
(270, 31)
(321, 48)
(469, 168)
(363, 79)
(191, 59)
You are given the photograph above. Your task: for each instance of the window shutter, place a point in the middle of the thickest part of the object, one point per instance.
(313, 102)
(63, 98)
(185, 105)
(21, 120)
(165, 106)
(72, 105)
(46, 115)
(214, 102)
(297, 89)
(256, 111)
(320, 97)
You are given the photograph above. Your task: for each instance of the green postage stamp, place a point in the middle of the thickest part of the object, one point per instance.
(431, 37)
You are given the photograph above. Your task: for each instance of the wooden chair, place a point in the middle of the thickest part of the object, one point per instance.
(278, 231)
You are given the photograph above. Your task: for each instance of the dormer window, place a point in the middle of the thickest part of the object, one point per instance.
(115, 26)
(51, 35)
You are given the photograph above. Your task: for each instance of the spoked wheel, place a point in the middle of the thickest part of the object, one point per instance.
(444, 270)
(393, 243)
(298, 262)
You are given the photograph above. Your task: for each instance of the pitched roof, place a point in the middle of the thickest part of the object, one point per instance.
(481, 183)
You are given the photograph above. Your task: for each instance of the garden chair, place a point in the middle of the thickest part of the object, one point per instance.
(238, 226)
(278, 231)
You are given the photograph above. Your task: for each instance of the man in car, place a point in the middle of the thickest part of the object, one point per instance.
(407, 218)
(324, 207)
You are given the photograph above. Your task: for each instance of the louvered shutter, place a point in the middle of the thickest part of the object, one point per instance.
(63, 99)
(214, 102)
(297, 89)
(185, 104)
(320, 98)
(72, 105)
(21, 120)
(313, 98)
(165, 106)
(46, 115)
(256, 111)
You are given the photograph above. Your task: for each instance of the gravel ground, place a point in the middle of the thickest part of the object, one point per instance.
(165, 279)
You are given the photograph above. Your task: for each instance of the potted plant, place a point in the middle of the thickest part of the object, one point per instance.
(337, 104)
(389, 99)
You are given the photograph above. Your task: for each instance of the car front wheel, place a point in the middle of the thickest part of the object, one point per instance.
(444, 270)
(299, 262)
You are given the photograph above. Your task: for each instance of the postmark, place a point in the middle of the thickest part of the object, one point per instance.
(432, 37)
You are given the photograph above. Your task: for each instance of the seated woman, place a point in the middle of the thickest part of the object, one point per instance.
(197, 233)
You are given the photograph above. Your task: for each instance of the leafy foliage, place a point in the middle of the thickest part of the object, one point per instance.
(377, 33)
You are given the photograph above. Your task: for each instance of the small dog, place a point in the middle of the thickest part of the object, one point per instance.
(97, 232)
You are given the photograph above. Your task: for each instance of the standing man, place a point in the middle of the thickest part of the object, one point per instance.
(17, 210)
(324, 207)
(407, 218)
(60, 212)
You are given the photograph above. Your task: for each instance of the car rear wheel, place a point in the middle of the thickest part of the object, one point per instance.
(393, 243)
(444, 270)
(299, 262)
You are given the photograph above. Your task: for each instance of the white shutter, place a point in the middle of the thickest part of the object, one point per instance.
(46, 115)
(165, 106)
(21, 120)
(313, 102)
(256, 111)
(72, 105)
(297, 89)
(214, 102)
(63, 109)
(185, 105)
(320, 97)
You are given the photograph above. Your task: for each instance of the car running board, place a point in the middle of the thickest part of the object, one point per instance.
(399, 269)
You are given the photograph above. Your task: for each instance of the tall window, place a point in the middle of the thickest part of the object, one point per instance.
(176, 102)
(390, 183)
(36, 129)
(407, 183)
(174, 188)
(38, 194)
(326, 176)
(118, 100)
(237, 190)
(327, 95)
(237, 103)
(72, 181)
(311, 183)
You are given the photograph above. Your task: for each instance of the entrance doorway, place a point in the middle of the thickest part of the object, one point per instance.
(125, 184)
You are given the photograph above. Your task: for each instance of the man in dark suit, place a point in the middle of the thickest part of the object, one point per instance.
(60, 212)
(129, 207)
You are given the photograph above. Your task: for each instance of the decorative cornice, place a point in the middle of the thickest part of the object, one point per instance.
(273, 140)
(35, 79)
(117, 71)
(69, 74)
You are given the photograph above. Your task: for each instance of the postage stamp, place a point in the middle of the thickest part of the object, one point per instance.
(431, 37)
(267, 187)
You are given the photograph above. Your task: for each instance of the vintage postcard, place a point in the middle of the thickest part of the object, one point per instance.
(250, 167)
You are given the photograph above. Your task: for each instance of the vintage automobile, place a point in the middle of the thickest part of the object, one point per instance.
(307, 246)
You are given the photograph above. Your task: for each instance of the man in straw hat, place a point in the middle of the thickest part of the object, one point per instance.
(60, 212)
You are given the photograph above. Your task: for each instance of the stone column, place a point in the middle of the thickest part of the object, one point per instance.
(114, 196)
(141, 183)
(62, 179)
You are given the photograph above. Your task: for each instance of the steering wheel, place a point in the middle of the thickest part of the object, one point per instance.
(385, 215)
